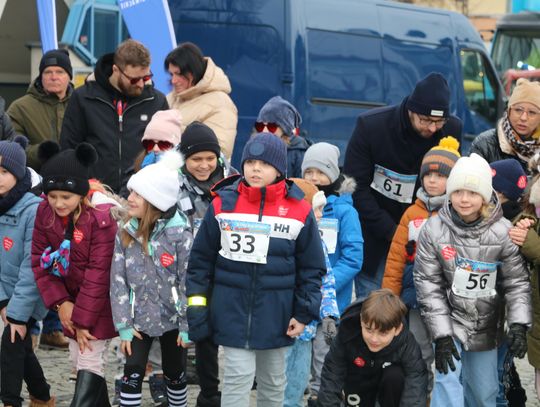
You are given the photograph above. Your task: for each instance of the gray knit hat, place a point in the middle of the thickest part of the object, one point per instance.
(278, 110)
(324, 157)
(13, 157)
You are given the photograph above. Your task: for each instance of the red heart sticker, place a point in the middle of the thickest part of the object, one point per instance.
(418, 222)
(448, 252)
(359, 362)
(166, 259)
(78, 236)
(8, 244)
(522, 182)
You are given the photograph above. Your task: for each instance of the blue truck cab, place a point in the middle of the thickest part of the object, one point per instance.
(335, 59)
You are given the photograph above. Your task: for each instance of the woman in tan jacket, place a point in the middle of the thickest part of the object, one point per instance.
(201, 93)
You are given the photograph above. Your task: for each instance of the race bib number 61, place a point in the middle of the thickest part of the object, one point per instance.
(393, 185)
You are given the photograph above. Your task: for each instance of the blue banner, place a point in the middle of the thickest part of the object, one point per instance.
(47, 24)
(149, 21)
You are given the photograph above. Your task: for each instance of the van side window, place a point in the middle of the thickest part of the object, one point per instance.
(479, 85)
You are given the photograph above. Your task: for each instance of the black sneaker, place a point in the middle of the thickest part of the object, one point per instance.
(212, 401)
(158, 389)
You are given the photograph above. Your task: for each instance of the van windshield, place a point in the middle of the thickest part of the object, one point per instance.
(516, 50)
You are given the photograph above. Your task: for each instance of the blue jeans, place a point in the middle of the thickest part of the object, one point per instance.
(474, 383)
(239, 369)
(51, 323)
(502, 353)
(298, 360)
(364, 284)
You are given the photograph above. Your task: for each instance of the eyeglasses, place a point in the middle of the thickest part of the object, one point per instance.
(518, 111)
(162, 145)
(272, 127)
(425, 121)
(136, 80)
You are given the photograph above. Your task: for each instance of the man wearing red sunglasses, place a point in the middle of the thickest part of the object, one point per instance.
(112, 110)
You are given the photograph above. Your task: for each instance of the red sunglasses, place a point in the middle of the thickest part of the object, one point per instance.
(272, 127)
(136, 80)
(162, 145)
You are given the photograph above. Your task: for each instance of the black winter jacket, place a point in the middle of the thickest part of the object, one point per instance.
(92, 116)
(486, 145)
(385, 137)
(351, 368)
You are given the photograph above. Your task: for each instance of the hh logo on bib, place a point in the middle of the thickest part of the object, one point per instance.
(166, 259)
(78, 236)
(8, 244)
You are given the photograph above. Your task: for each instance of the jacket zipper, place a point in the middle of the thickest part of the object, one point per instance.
(254, 275)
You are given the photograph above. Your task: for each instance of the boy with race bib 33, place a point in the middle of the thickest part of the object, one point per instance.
(466, 269)
(257, 260)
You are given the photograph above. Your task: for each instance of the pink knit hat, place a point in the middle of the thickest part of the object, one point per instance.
(166, 125)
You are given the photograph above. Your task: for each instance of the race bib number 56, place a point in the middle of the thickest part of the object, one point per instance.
(393, 185)
(244, 241)
(474, 279)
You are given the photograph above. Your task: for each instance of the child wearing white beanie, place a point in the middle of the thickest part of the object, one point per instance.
(466, 271)
(148, 275)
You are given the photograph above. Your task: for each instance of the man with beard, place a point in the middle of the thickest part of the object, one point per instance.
(112, 110)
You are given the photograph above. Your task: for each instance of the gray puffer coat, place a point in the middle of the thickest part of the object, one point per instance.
(141, 285)
(475, 322)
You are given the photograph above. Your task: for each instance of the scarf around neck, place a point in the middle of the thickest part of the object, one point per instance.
(15, 194)
(523, 149)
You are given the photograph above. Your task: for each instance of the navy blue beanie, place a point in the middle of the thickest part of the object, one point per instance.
(509, 178)
(430, 97)
(278, 110)
(268, 148)
(13, 157)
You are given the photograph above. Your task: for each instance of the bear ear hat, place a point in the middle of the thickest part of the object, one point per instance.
(47, 150)
(86, 154)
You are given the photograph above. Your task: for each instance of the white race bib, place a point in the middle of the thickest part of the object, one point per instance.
(244, 241)
(329, 228)
(393, 185)
(474, 279)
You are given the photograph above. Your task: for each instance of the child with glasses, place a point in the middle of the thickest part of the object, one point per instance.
(281, 118)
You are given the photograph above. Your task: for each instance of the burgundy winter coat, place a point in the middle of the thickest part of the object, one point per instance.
(88, 278)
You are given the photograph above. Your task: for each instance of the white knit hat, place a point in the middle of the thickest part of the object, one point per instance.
(158, 183)
(472, 174)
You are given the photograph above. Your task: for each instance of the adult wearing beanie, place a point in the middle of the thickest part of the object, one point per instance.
(205, 165)
(384, 156)
(39, 114)
(517, 133)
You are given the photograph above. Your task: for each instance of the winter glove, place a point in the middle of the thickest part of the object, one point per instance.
(329, 329)
(57, 261)
(517, 340)
(445, 349)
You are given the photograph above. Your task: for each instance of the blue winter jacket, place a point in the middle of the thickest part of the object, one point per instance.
(247, 304)
(347, 260)
(17, 283)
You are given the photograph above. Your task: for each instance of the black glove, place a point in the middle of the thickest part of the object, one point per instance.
(517, 340)
(444, 350)
(329, 329)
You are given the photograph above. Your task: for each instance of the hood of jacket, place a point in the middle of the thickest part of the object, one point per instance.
(213, 80)
(299, 143)
(348, 186)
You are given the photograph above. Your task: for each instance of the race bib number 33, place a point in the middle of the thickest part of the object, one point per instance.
(393, 185)
(244, 241)
(474, 279)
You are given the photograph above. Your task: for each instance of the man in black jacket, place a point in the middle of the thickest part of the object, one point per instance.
(374, 358)
(112, 110)
(384, 156)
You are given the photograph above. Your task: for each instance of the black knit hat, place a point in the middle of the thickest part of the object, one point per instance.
(268, 148)
(56, 57)
(13, 157)
(430, 97)
(198, 137)
(66, 170)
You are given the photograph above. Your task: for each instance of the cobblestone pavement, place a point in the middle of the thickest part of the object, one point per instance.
(57, 370)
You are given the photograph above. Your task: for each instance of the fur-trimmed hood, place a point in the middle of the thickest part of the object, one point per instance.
(348, 186)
